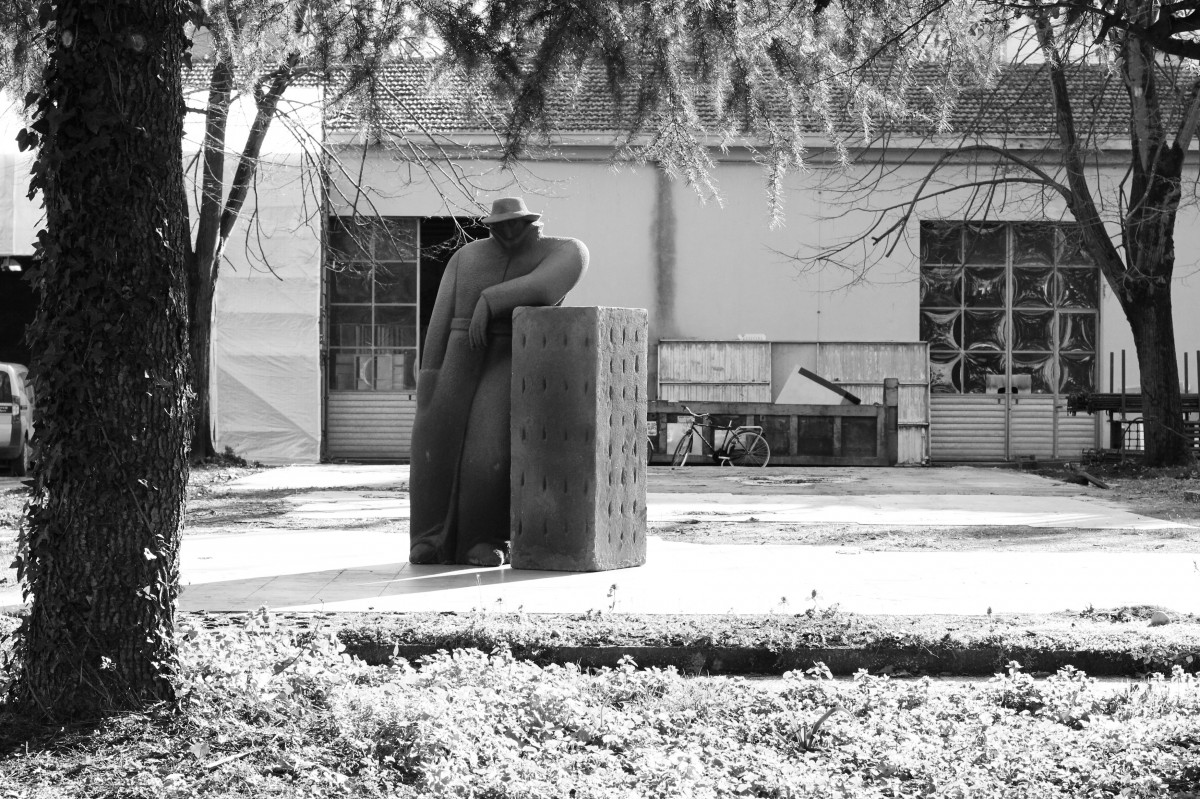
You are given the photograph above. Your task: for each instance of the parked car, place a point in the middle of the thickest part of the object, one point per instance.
(16, 417)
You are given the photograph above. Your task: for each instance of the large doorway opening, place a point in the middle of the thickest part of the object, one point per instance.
(441, 237)
(18, 302)
(381, 284)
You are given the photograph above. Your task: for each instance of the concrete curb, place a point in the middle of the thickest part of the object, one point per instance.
(841, 661)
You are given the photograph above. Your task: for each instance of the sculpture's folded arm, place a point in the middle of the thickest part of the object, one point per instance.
(547, 284)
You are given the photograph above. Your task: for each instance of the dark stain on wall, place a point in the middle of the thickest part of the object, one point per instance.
(662, 318)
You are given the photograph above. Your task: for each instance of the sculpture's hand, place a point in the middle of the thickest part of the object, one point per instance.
(477, 335)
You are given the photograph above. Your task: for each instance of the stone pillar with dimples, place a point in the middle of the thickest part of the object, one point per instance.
(579, 438)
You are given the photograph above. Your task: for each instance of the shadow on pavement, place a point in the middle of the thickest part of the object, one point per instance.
(339, 585)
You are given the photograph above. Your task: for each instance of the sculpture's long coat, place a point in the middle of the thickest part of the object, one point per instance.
(459, 481)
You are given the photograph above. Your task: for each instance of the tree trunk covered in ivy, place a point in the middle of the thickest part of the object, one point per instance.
(100, 541)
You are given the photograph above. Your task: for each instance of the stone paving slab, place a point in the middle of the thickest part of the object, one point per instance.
(682, 578)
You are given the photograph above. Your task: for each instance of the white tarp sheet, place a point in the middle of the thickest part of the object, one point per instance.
(266, 367)
(20, 217)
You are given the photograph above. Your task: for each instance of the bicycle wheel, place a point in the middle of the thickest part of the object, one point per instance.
(682, 450)
(748, 449)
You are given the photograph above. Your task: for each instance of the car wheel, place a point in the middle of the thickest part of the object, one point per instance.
(20, 464)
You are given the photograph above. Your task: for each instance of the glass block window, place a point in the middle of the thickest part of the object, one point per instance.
(371, 304)
(1017, 298)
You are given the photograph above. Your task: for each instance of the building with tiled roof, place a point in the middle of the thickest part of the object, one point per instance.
(414, 98)
(737, 304)
(324, 303)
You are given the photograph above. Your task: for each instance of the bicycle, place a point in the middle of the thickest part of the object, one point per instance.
(743, 445)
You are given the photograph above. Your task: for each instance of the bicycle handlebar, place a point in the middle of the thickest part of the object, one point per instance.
(695, 415)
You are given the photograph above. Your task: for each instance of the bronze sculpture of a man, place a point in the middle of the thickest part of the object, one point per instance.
(459, 481)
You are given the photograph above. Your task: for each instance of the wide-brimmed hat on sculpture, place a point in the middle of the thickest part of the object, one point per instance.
(507, 208)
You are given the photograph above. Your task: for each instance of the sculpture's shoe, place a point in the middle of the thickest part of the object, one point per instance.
(485, 555)
(422, 553)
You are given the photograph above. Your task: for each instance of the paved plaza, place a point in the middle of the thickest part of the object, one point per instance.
(329, 560)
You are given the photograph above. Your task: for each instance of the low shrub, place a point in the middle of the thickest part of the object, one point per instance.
(266, 714)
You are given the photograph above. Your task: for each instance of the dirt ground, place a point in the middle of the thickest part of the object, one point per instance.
(1159, 493)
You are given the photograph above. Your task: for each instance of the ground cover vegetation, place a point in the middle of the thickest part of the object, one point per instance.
(117, 300)
(258, 712)
(275, 704)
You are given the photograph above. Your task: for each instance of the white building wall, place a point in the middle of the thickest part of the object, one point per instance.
(734, 274)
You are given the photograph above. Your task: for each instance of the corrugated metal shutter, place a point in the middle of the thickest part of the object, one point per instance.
(1075, 434)
(966, 427)
(972, 428)
(369, 425)
(1031, 426)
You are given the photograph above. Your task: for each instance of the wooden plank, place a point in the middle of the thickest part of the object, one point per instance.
(714, 362)
(764, 408)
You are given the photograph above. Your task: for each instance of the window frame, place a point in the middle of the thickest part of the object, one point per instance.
(961, 355)
(371, 246)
